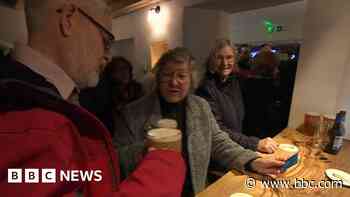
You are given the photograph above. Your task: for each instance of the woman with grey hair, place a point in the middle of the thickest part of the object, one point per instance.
(221, 89)
(202, 139)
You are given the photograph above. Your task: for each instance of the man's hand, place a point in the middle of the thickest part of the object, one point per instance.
(267, 145)
(151, 149)
(268, 166)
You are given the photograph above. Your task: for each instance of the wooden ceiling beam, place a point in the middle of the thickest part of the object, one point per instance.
(120, 8)
(119, 4)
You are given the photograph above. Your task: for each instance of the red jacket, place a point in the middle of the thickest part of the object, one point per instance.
(56, 134)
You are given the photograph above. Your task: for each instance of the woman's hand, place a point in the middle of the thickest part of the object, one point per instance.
(268, 166)
(267, 145)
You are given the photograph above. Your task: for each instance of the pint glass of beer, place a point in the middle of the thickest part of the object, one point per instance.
(165, 138)
(311, 123)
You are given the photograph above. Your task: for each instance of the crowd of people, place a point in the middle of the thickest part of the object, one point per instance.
(266, 75)
(66, 104)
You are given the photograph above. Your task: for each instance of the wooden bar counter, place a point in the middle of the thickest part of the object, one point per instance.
(311, 166)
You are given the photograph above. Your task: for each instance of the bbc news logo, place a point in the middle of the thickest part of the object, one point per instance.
(49, 175)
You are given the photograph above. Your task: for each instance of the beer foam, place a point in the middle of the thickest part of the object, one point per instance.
(329, 117)
(313, 113)
(240, 195)
(167, 123)
(289, 148)
(164, 134)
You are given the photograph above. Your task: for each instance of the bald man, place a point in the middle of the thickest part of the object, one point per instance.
(42, 126)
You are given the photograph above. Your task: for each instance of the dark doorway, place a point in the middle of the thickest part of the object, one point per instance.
(268, 99)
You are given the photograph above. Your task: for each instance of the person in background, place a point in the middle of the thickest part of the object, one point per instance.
(124, 88)
(266, 65)
(266, 47)
(116, 89)
(41, 125)
(203, 140)
(222, 91)
(287, 72)
(148, 81)
(244, 58)
(244, 63)
(260, 93)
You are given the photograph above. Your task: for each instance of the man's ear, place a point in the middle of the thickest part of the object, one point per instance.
(68, 19)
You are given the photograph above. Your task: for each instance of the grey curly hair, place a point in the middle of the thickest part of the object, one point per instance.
(177, 55)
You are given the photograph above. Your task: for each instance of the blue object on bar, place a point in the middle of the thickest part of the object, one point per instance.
(290, 162)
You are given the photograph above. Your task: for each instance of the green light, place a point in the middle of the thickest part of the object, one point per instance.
(269, 26)
(268, 23)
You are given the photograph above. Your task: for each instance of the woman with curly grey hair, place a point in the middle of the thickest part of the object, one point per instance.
(203, 140)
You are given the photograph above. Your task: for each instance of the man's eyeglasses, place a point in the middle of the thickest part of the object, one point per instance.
(108, 37)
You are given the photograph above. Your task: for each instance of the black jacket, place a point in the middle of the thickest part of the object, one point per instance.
(226, 102)
(99, 101)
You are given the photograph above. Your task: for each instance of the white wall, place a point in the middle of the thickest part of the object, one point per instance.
(201, 29)
(125, 48)
(136, 26)
(13, 27)
(322, 84)
(244, 27)
(248, 26)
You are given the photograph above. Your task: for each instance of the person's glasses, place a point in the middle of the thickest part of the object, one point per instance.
(108, 37)
(180, 77)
